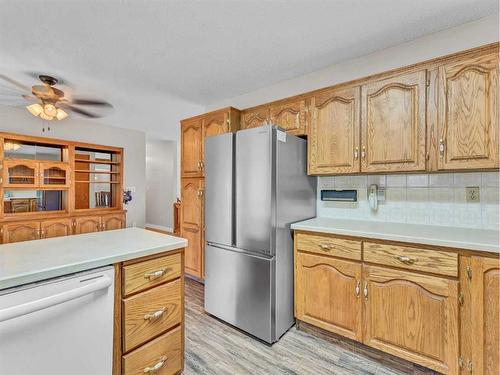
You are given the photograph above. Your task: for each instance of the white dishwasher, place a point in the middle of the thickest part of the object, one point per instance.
(59, 326)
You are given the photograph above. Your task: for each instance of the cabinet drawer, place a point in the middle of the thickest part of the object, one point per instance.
(143, 275)
(150, 313)
(329, 246)
(164, 351)
(427, 260)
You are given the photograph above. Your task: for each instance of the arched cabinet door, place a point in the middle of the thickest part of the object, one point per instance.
(55, 228)
(20, 231)
(54, 175)
(20, 174)
(413, 316)
(333, 141)
(192, 148)
(216, 123)
(328, 294)
(485, 300)
(290, 116)
(393, 124)
(254, 118)
(87, 224)
(468, 114)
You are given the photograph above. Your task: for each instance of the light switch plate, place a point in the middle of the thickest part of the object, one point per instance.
(472, 194)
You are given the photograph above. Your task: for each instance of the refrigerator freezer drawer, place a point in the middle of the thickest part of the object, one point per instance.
(238, 290)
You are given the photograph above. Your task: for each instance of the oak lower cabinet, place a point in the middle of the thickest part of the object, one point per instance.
(56, 228)
(97, 223)
(482, 297)
(113, 221)
(328, 294)
(413, 316)
(402, 299)
(149, 315)
(20, 231)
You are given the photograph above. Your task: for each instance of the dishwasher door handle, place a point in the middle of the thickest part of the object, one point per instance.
(29, 307)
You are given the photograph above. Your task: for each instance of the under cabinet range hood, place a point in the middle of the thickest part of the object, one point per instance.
(256, 185)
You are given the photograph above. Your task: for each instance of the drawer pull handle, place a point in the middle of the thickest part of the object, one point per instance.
(326, 247)
(156, 314)
(157, 366)
(155, 274)
(406, 260)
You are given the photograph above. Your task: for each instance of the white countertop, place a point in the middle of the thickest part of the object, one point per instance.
(461, 238)
(30, 261)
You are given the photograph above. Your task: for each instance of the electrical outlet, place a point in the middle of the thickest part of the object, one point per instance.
(472, 194)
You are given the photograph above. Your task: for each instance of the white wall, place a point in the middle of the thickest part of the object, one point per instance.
(161, 183)
(19, 120)
(473, 34)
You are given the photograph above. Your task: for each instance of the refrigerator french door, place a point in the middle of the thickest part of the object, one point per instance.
(59, 326)
(255, 187)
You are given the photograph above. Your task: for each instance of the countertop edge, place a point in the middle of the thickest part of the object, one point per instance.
(69, 269)
(399, 238)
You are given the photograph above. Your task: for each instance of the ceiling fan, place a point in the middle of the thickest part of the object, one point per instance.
(51, 103)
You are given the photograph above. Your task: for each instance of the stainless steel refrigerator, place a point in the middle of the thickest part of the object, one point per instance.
(255, 186)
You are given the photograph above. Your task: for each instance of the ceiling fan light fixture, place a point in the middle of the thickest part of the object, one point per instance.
(44, 116)
(35, 109)
(60, 114)
(50, 110)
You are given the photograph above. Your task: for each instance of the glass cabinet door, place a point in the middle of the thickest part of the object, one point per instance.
(20, 173)
(54, 175)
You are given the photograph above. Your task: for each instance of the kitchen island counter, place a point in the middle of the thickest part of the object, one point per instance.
(32, 261)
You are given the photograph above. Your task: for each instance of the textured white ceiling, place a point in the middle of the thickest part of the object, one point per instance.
(205, 51)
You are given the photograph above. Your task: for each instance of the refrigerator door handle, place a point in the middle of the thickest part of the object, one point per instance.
(27, 308)
(240, 251)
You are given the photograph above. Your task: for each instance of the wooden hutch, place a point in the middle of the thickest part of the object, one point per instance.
(51, 188)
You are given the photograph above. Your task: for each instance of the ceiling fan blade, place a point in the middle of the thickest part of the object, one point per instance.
(15, 83)
(81, 111)
(96, 102)
(31, 98)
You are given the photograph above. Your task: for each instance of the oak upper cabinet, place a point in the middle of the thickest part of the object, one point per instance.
(333, 142)
(192, 224)
(393, 124)
(468, 113)
(485, 300)
(328, 294)
(87, 224)
(412, 316)
(20, 173)
(55, 228)
(290, 116)
(20, 231)
(220, 122)
(254, 117)
(192, 148)
(54, 175)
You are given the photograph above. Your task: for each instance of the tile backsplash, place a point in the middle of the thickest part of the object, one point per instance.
(436, 199)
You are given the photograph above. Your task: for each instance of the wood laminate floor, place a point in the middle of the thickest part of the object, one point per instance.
(213, 347)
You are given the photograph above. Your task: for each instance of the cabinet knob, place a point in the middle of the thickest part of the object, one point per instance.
(363, 153)
(365, 291)
(356, 153)
(358, 288)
